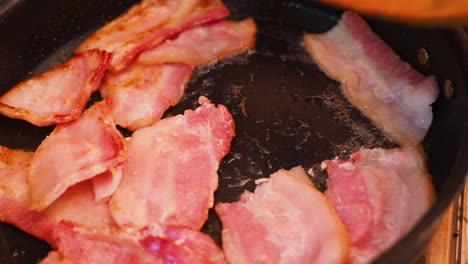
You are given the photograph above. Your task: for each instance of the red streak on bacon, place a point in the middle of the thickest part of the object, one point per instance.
(77, 204)
(170, 175)
(374, 79)
(140, 94)
(155, 244)
(149, 23)
(286, 220)
(74, 152)
(204, 45)
(380, 195)
(58, 95)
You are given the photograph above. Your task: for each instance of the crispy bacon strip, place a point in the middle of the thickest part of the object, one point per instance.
(74, 152)
(58, 95)
(156, 244)
(149, 23)
(286, 220)
(393, 95)
(380, 195)
(77, 204)
(140, 94)
(204, 45)
(170, 175)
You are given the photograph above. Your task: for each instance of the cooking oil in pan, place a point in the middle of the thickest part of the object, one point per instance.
(287, 113)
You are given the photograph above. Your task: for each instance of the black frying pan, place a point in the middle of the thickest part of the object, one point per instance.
(287, 111)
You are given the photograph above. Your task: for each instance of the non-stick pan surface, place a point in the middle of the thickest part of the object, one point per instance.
(287, 112)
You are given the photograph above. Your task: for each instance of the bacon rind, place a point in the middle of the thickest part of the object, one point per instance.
(205, 44)
(66, 89)
(164, 19)
(286, 220)
(177, 175)
(140, 94)
(393, 95)
(74, 152)
(380, 195)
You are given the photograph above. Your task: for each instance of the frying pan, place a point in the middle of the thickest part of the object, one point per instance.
(287, 112)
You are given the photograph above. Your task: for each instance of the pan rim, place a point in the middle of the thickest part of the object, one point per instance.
(426, 226)
(457, 173)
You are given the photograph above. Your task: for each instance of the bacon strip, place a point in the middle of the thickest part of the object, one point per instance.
(55, 258)
(170, 175)
(155, 244)
(189, 245)
(74, 152)
(104, 245)
(286, 220)
(58, 95)
(106, 183)
(149, 23)
(77, 204)
(204, 45)
(140, 94)
(380, 195)
(394, 96)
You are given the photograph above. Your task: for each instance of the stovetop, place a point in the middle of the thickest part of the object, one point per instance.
(450, 242)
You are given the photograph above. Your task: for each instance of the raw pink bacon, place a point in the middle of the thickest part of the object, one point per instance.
(156, 244)
(374, 79)
(74, 152)
(140, 94)
(286, 220)
(58, 95)
(149, 23)
(204, 45)
(380, 195)
(77, 204)
(171, 172)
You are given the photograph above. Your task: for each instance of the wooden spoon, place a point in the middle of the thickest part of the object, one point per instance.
(427, 12)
